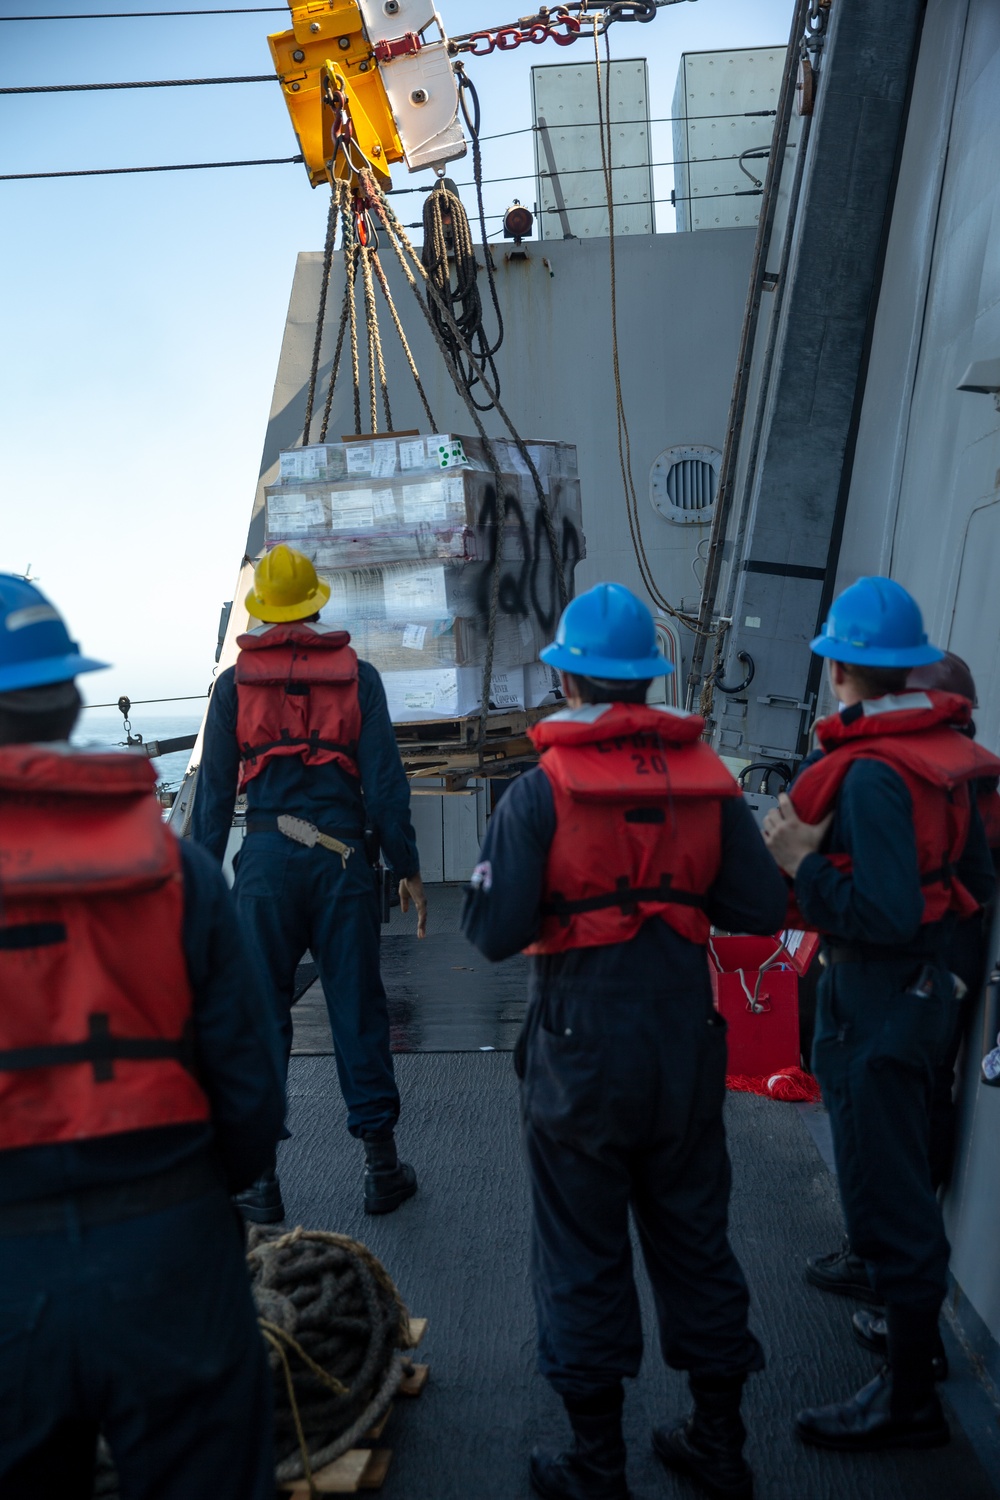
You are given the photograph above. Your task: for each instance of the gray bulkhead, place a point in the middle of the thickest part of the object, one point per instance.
(868, 457)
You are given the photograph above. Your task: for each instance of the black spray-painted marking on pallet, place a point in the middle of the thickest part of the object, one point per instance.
(522, 582)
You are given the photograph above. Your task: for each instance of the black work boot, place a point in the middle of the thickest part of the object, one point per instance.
(261, 1203)
(844, 1273)
(594, 1468)
(900, 1407)
(870, 1328)
(388, 1181)
(708, 1446)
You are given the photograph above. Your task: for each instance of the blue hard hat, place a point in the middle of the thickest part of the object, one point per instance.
(876, 623)
(607, 632)
(35, 648)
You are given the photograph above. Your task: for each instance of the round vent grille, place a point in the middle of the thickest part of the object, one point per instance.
(683, 483)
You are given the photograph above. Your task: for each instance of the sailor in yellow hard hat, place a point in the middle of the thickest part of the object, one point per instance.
(286, 587)
(302, 727)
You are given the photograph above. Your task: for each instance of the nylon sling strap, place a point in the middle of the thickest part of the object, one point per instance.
(626, 897)
(101, 1049)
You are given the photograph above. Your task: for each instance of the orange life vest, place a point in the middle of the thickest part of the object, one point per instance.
(297, 691)
(95, 1023)
(638, 824)
(915, 733)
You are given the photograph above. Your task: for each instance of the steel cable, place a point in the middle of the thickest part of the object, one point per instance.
(157, 83)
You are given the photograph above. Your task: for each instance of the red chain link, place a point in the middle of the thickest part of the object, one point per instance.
(506, 38)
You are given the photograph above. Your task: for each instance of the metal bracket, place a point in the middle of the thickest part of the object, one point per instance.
(790, 703)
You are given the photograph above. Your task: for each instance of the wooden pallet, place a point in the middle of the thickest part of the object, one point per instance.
(365, 1468)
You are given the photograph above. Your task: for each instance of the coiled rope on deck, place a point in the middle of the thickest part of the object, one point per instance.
(336, 1329)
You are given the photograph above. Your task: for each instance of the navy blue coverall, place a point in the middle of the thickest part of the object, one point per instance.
(622, 1064)
(878, 1041)
(292, 899)
(140, 1323)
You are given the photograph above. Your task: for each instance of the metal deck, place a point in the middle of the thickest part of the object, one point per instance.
(459, 1254)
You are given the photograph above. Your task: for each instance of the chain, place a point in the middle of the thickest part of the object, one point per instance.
(555, 23)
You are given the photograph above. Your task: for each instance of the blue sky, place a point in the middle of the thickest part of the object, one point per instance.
(142, 316)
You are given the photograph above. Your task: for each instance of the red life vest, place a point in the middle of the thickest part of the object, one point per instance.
(96, 1014)
(638, 824)
(917, 735)
(297, 689)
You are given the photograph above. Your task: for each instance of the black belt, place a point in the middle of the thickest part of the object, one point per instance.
(874, 953)
(270, 825)
(93, 1206)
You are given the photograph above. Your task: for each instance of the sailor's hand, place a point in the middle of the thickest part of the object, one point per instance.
(788, 838)
(412, 889)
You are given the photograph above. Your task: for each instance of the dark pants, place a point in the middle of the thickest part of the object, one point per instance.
(876, 1050)
(143, 1329)
(967, 954)
(292, 899)
(622, 1108)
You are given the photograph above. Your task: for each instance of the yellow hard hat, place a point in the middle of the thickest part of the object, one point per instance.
(285, 587)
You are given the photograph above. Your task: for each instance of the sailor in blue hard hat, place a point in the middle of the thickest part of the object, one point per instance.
(120, 961)
(607, 864)
(876, 623)
(886, 850)
(38, 661)
(607, 633)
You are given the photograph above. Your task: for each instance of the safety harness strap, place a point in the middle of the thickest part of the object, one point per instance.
(100, 1049)
(311, 741)
(625, 896)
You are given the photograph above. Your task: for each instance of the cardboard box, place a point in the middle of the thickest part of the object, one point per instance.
(449, 693)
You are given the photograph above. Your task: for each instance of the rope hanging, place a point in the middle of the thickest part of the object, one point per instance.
(359, 208)
(414, 271)
(624, 441)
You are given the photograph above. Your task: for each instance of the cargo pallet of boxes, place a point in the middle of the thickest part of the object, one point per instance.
(405, 530)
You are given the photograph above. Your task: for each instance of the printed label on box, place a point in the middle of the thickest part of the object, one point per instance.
(424, 502)
(352, 509)
(384, 460)
(502, 693)
(414, 637)
(311, 461)
(384, 504)
(412, 455)
(419, 700)
(412, 594)
(446, 692)
(359, 458)
(448, 451)
(294, 512)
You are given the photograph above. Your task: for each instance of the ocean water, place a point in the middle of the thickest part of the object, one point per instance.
(103, 728)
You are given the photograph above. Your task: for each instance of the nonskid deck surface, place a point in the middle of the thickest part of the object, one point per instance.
(459, 1253)
(443, 995)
